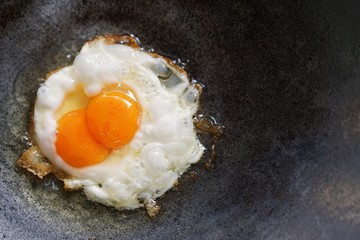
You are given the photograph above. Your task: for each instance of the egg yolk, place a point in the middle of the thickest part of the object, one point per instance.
(109, 121)
(112, 118)
(74, 142)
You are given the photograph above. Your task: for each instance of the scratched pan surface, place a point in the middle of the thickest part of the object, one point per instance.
(282, 76)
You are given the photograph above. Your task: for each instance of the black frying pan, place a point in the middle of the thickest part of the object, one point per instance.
(282, 76)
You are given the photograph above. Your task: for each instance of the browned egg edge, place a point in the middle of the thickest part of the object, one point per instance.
(34, 161)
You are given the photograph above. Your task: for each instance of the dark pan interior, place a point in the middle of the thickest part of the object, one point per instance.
(282, 76)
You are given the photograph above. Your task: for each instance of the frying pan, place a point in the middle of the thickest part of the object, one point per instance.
(283, 77)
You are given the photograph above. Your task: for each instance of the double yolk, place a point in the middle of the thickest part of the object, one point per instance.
(86, 136)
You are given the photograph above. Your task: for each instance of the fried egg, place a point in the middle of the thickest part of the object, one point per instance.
(118, 122)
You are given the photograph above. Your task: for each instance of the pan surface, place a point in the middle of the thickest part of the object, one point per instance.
(282, 76)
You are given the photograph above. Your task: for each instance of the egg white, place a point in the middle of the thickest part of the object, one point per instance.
(163, 147)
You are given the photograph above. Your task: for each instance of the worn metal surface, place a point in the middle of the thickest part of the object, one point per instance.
(282, 76)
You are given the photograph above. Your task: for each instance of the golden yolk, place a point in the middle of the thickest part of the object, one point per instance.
(74, 142)
(109, 121)
(112, 118)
